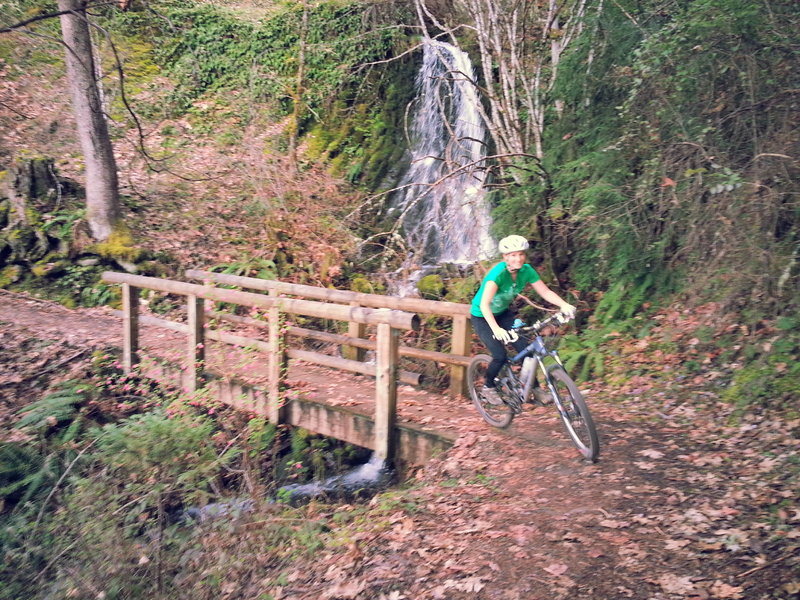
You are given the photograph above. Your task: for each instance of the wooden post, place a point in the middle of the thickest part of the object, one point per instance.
(385, 391)
(460, 344)
(354, 330)
(130, 327)
(277, 365)
(196, 342)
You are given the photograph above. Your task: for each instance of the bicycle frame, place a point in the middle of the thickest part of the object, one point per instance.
(538, 353)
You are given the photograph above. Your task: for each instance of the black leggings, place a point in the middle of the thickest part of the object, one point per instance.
(495, 347)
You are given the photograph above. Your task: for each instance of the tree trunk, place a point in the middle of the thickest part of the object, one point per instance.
(297, 96)
(102, 187)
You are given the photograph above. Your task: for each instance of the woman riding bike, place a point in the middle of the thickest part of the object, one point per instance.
(490, 314)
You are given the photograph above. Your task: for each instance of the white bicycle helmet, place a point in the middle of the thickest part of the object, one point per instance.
(513, 243)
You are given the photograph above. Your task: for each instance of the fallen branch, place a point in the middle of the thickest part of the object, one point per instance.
(765, 565)
(60, 363)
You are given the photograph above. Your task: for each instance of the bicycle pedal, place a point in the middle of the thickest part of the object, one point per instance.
(515, 406)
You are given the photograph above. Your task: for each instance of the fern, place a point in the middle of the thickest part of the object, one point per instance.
(599, 364)
(23, 472)
(261, 268)
(611, 304)
(54, 409)
(574, 360)
(625, 299)
(58, 415)
(582, 355)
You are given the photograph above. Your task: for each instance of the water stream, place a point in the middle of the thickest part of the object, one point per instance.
(442, 202)
(362, 482)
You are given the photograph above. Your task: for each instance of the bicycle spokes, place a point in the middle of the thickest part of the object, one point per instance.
(497, 415)
(574, 413)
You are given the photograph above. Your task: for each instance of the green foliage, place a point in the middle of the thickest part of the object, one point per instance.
(431, 287)
(61, 223)
(651, 165)
(255, 266)
(71, 284)
(134, 478)
(261, 435)
(770, 378)
(23, 473)
(218, 62)
(462, 289)
(517, 209)
(82, 284)
(58, 411)
(624, 299)
(161, 461)
(216, 50)
(361, 284)
(583, 355)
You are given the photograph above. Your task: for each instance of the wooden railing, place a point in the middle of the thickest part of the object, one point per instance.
(458, 358)
(388, 322)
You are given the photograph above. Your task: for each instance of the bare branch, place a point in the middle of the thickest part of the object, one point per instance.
(44, 17)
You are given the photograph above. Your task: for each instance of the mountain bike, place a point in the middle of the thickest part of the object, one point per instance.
(515, 387)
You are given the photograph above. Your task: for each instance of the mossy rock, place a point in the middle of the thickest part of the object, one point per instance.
(153, 268)
(10, 274)
(27, 245)
(462, 289)
(283, 262)
(119, 247)
(50, 265)
(5, 208)
(361, 284)
(431, 287)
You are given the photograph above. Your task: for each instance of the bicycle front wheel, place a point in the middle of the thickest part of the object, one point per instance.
(496, 415)
(576, 416)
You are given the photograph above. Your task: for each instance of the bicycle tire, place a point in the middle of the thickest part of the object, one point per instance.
(496, 415)
(577, 420)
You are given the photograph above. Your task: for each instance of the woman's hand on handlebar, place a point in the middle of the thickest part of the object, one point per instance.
(505, 336)
(568, 310)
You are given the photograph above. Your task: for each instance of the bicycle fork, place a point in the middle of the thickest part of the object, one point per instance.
(546, 379)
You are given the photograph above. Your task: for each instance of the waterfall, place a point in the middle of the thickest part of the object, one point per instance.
(448, 222)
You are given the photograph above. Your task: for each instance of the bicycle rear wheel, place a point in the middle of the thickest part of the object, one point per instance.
(496, 415)
(577, 419)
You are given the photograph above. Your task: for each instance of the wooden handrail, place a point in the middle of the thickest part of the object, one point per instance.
(371, 316)
(312, 357)
(462, 328)
(417, 305)
(344, 340)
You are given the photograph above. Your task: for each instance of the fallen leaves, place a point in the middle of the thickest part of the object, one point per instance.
(650, 453)
(675, 584)
(345, 590)
(470, 585)
(720, 589)
(612, 524)
(556, 569)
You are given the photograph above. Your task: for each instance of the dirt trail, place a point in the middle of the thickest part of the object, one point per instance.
(513, 514)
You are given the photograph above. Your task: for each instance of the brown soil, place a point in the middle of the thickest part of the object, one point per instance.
(680, 505)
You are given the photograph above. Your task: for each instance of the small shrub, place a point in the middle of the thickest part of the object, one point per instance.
(431, 287)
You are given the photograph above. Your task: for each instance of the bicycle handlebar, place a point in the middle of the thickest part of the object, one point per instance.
(539, 325)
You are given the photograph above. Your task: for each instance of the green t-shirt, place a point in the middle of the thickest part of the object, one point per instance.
(507, 288)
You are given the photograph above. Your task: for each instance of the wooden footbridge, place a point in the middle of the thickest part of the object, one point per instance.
(368, 316)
